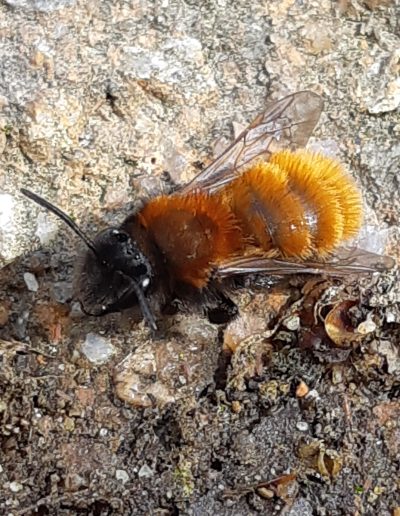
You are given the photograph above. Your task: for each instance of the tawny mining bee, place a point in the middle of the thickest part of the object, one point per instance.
(265, 205)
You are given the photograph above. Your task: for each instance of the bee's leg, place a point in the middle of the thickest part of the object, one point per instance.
(223, 311)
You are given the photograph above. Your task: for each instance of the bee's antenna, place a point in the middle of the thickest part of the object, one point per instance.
(144, 306)
(63, 216)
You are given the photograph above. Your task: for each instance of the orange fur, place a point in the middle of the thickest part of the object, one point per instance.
(194, 233)
(348, 195)
(274, 216)
(328, 192)
(319, 197)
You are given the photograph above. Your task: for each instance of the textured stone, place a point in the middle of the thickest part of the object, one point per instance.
(97, 349)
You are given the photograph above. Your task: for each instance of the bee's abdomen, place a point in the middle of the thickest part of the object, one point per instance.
(297, 205)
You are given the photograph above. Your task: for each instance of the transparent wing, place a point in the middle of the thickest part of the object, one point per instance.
(348, 261)
(286, 123)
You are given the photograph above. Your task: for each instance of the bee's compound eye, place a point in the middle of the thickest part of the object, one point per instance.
(145, 282)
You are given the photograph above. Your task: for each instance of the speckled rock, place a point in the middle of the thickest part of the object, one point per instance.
(97, 349)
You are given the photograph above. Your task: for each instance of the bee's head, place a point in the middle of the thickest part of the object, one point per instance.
(110, 276)
(114, 273)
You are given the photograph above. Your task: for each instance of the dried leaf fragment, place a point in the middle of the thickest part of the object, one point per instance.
(328, 463)
(339, 327)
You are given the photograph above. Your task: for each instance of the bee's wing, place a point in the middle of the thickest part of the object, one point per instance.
(348, 261)
(286, 123)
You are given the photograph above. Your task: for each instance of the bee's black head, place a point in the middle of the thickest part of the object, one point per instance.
(106, 278)
(114, 273)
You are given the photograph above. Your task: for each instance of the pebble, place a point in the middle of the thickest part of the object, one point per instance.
(122, 475)
(302, 389)
(69, 424)
(366, 327)
(16, 487)
(390, 317)
(31, 282)
(236, 406)
(145, 471)
(337, 374)
(292, 323)
(97, 349)
(313, 395)
(302, 426)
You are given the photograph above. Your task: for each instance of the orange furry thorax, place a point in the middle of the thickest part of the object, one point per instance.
(298, 205)
(193, 232)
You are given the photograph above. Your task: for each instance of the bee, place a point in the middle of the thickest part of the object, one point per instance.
(265, 205)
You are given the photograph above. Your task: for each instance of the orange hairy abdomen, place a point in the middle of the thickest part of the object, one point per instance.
(298, 204)
(194, 233)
